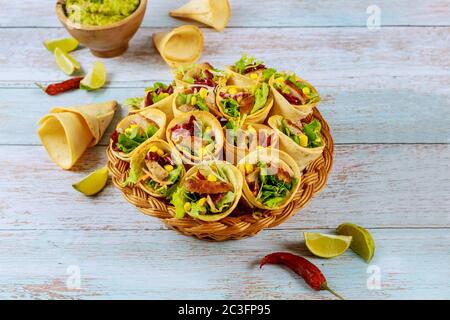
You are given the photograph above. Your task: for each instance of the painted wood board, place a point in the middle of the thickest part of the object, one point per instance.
(378, 186)
(352, 57)
(151, 264)
(263, 13)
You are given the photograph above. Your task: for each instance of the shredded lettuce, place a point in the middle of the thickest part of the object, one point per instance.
(178, 200)
(261, 94)
(132, 139)
(225, 202)
(312, 131)
(231, 107)
(133, 102)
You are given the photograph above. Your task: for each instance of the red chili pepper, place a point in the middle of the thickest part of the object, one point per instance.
(305, 269)
(57, 88)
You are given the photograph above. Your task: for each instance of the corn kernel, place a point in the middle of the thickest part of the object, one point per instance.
(160, 152)
(208, 130)
(193, 101)
(306, 90)
(187, 206)
(249, 168)
(203, 93)
(153, 149)
(232, 90)
(303, 140)
(128, 130)
(168, 167)
(279, 80)
(201, 202)
(211, 178)
(254, 76)
(165, 95)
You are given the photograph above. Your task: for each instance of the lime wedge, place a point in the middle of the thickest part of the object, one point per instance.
(66, 62)
(362, 243)
(66, 44)
(325, 245)
(96, 78)
(93, 183)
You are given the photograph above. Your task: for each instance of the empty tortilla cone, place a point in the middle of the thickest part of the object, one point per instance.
(302, 155)
(214, 13)
(180, 46)
(67, 132)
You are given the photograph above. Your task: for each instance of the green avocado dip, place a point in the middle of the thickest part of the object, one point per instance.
(99, 12)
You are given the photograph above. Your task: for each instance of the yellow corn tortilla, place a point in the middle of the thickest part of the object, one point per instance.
(138, 162)
(193, 70)
(234, 154)
(207, 119)
(214, 13)
(234, 177)
(67, 132)
(275, 157)
(288, 110)
(164, 105)
(258, 117)
(180, 46)
(153, 114)
(237, 79)
(303, 156)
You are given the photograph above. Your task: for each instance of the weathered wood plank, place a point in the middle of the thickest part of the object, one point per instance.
(147, 264)
(348, 57)
(374, 185)
(263, 13)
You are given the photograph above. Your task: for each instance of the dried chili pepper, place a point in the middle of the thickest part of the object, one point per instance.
(305, 269)
(57, 88)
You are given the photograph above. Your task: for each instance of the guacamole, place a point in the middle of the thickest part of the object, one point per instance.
(99, 12)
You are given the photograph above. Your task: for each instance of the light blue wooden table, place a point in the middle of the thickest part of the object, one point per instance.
(386, 95)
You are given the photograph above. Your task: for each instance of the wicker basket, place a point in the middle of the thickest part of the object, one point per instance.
(234, 226)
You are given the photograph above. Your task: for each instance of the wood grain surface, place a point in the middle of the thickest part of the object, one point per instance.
(386, 96)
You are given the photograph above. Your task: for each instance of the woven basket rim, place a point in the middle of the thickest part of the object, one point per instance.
(233, 227)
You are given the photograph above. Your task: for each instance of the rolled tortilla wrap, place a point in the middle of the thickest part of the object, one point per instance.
(194, 98)
(201, 75)
(296, 109)
(156, 169)
(271, 178)
(209, 192)
(248, 104)
(159, 96)
(296, 145)
(197, 136)
(180, 46)
(240, 141)
(67, 132)
(214, 13)
(135, 129)
(248, 71)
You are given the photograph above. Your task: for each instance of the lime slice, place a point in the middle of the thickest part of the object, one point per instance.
(362, 243)
(66, 44)
(93, 183)
(325, 245)
(96, 78)
(66, 62)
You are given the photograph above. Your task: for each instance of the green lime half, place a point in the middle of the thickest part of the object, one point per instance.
(66, 44)
(96, 78)
(326, 245)
(362, 243)
(66, 62)
(93, 183)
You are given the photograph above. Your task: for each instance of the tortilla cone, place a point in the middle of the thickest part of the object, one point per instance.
(205, 118)
(234, 154)
(290, 111)
(180, 46)
(194, 69)
(67, 132)
(214, 13)
(153, 114)
(273, 156)
(303, 156)
(165, 105)
(237, 79)
(234, 177)
(138, 162)
(258, 117)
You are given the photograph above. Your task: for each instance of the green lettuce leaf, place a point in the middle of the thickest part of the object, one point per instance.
(261, 94)
(226, 201)
(231, 107)
(312, 131)
(178, 200)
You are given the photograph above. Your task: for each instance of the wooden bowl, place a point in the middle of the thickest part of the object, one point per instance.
(104, 41)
